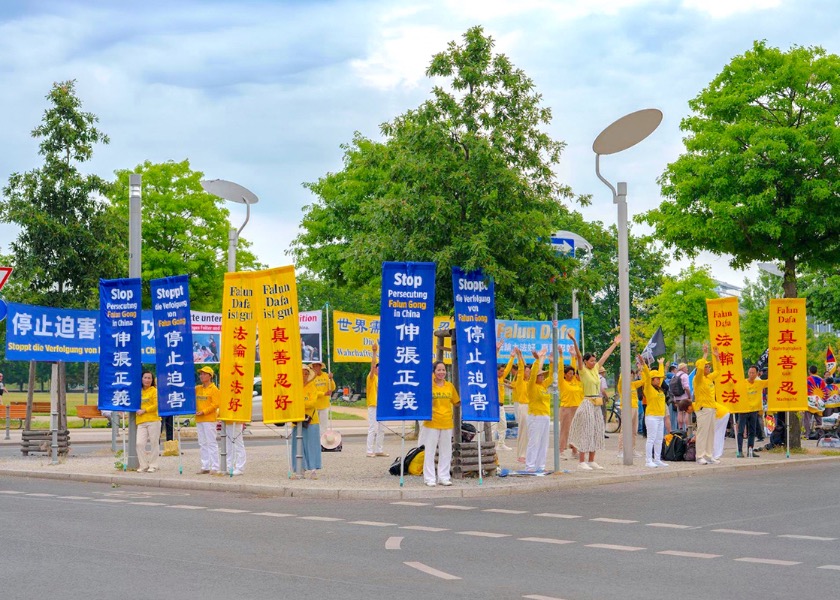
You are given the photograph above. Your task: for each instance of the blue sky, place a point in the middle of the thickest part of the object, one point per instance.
(263, 93)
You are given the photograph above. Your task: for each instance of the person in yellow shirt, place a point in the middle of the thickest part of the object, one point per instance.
(326, 386)
(376, 433)
(311, 443)
(501, 374)
(148, 425)
(749, 422)
(207, 399)
(654, 413)
(571, 396)
(539, 410)
(520, 405)
(705, 407)
(436, 435)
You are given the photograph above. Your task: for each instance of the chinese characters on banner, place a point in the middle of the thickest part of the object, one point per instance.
(475, 333)
(173, 341)
(239, 344)
(119, 345)
(725, 334)
(280, 345)
(787, 388)
(407, 324)
(353, 335)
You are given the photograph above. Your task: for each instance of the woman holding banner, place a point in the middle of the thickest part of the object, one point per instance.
(148, 425)
(588, 425)
(436, 435)
(311, 427)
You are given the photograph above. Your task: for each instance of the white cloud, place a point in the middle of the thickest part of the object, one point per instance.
(721, 9)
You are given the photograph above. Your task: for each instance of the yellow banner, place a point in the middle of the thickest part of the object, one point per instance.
(238, 348)
(725, 334)
(354, 334)
(281, 359)
(787, 388)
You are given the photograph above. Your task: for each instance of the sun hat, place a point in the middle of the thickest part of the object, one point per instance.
(309, 374)
(330, 439)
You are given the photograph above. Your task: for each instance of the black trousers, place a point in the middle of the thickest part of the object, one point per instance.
(747, 422)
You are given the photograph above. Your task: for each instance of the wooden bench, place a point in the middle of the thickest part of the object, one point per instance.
(17, 410)
(86, 412)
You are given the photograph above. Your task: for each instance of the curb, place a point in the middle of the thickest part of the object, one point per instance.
(545, 484)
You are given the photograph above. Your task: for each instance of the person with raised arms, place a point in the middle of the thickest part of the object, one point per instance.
(539, 409)
(376, 433)
(705, 407)
(654, 413)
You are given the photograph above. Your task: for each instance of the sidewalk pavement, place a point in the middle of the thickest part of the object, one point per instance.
(351, 474)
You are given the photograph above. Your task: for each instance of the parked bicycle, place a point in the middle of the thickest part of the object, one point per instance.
(613, 416)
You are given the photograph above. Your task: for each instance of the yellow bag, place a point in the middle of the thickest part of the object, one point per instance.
(415, 467)
(170, 448)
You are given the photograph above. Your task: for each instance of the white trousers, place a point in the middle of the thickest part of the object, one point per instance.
(324, 417)
(235, 446)
(655, 432)
(148, 432)
(208, 448)
(439, 440)
(537, 442)
(501, 426)
(522, 423)
(720, 436)
(376, 433)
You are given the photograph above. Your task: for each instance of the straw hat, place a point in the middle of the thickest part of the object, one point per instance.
(308, 374)
(330, 439)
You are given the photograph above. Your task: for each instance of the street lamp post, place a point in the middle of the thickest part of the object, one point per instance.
(232, 192)
(624, 133)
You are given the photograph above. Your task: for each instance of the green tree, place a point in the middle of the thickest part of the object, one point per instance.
(68, 239)
(680, 308)
(184, 230)
(466, 179)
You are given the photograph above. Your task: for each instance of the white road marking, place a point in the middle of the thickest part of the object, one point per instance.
(669, 525)
(545, 541)
(608, 520)
(505, 511)
(455, 507)
(75, 498)
(407, 503)
(373, 523)
(10, 492)
(110, 500)
(429, 570)
(187, 506)
(615, 547)
(538, 597)
(272, 514)
(688, 554)
(558, 516)
(832, 567)
(808, 537)
(483, 534)
(42, 495)
(320, 519)
(233, 511)
(424, 528)
(740, 531)
(768, 561)
(149, 503)
(393, 543)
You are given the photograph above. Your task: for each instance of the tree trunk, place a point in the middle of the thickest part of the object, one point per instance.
(789, 287)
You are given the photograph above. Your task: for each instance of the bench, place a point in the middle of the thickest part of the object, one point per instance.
(86, 412)
(17, 410)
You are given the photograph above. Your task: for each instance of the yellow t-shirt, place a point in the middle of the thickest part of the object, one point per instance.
(591, 381)
(207, 401)
(372, 382)
(325, 386)
(520, 386)
(704, 387)
(571, 393)
(539, 400)
(504, 375)
(443, 398)
(148, 402)
(634, 397)
(655, 398)
(753, 400)
(310, 401)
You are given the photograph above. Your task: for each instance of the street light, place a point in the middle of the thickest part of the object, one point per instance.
(624, 133)
(232, 192)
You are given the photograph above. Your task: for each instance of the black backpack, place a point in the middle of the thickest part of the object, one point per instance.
(676, 447)
(676, 386)
(394, 469)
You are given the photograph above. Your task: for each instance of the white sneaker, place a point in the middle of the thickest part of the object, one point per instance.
(637, 454)
(714, 461)
(505, 447)
(431, 483)
(237, 472)
(596, 466)
(659, 463)
(584, 467)
(446, 483)
(620, 455)
(651, 464)
(702, 461)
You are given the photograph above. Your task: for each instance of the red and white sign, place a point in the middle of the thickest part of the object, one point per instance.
(5, 272)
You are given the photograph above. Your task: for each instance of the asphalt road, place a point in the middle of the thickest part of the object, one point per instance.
(764, 534)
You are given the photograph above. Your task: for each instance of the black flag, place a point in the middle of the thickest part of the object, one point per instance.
(655, 347)
(762, 361)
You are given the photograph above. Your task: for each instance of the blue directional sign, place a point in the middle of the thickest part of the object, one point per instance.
(564, 246)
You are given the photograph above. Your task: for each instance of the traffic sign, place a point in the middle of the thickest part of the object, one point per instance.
(565, 246)
(4, 275)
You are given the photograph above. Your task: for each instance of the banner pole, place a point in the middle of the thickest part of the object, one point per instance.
(180, 462)
(122, 432)
(329, 349)
(402, 453)
(480, 470)
(736, 432)
(288, 450)
(787, 434)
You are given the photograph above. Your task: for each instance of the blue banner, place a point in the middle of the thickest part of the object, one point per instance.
(119, 345)
(53, 334)
(475, 336)
(174, 346)
(405, 341)
(530, 336)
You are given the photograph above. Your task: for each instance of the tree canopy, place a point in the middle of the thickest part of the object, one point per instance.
(760, 177)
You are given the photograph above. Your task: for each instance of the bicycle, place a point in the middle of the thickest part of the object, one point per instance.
(612, 420)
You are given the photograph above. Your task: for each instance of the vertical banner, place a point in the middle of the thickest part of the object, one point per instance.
(280, 345)
(475, 334)
(239, 345)
(787, 388)
(353, 336)
(173, 345)
(311, 343)
(725, 333)
(405, 355)
(120, 351)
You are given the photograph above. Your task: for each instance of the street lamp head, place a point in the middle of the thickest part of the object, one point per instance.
(227, 190)
(627, 131)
